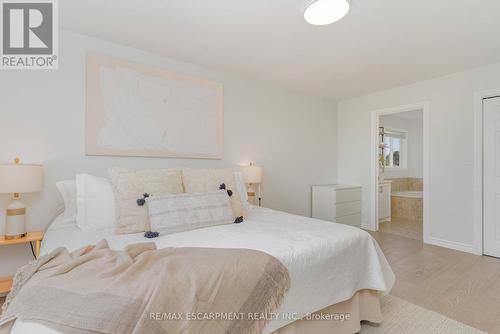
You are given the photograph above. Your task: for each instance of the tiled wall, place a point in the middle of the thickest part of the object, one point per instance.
(406, 183)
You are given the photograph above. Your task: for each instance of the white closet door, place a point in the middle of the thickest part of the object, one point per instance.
(491, 177)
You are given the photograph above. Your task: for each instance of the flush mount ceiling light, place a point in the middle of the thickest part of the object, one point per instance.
(323, 12)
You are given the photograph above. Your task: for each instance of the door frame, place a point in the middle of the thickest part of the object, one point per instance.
(478, 166)
(375, 115)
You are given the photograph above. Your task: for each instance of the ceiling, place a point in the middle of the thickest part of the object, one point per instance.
(379, 44)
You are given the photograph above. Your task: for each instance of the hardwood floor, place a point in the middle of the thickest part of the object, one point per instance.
(458, 285)
(409, 228)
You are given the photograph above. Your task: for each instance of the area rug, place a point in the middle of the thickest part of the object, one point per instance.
(402, 317)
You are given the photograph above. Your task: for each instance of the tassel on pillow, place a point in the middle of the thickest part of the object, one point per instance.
(142, 201)
(150, 234)
(229, 191)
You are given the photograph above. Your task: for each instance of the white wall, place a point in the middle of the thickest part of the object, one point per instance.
(291, 135)
(451, 141)
(415, 147)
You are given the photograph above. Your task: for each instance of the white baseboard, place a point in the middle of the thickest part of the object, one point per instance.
(366, 227)
(459, 246)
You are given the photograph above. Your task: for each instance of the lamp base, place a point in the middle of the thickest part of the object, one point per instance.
(15, 226)
(251, 193)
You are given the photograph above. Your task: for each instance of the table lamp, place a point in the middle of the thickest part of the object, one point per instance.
(16, 179)
(252, 175)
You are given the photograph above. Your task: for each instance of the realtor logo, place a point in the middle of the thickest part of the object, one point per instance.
(29, 34)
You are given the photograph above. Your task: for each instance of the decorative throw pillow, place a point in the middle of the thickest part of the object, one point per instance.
(184, 212)
(242, 189)
(129, 186)
(67, 189)
(95, 203)
(206, 180)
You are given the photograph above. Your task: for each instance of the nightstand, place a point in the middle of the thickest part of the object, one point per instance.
(36, 237)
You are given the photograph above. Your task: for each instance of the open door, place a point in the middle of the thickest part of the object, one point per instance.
(491, 177)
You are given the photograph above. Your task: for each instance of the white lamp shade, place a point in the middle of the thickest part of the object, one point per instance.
(21, 178)
(251, 174)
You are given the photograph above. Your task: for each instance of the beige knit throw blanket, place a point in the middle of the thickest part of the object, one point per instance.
(145, 290)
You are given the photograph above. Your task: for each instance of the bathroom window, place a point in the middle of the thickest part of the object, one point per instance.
(395, 149)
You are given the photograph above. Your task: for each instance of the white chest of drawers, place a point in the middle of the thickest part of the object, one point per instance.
(337, 203)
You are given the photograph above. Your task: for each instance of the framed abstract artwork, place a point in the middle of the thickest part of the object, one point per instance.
(147, 111)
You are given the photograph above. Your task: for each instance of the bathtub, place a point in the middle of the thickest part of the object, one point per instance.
(407, 204)
(408, 194)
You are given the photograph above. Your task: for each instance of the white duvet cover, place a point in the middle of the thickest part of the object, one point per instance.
(327, 262)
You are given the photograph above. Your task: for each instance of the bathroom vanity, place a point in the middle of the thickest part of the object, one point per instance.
(384, 201)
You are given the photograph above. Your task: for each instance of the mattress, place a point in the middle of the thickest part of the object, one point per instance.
(328, 262)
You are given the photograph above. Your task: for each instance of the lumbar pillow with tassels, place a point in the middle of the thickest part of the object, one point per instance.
(184, 212)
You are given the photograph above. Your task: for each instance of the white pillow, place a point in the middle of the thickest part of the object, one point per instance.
(242, 189)
(95, 203)
(189, 211)
(67, 189)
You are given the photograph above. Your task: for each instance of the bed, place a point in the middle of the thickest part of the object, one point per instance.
(330, 264)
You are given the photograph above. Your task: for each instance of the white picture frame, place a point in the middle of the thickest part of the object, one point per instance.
(147, 111)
